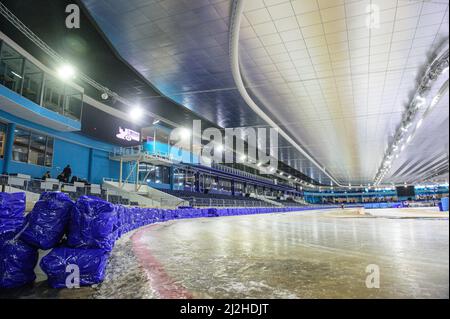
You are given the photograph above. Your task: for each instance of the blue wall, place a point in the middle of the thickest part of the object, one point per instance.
(88, 158)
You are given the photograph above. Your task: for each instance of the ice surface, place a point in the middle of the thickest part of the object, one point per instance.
(304, 255)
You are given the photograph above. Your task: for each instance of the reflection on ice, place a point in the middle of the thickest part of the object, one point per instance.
(304, 255)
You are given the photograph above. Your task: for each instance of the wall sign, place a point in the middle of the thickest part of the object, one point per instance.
(128, 135)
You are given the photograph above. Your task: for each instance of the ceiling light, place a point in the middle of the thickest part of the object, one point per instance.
(136, 113)
(105, 96)
(185, 132)
(219, 148)
(16, 75)
(419, 124)
(66, 72)
(243, 157)
(156, 121)
(420, 102)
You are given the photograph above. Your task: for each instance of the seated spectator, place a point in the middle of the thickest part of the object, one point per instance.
(46, 175)
(67, 173)
(61, 178)
(74, 180)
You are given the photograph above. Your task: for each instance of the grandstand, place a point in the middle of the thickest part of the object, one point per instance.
(318, 129)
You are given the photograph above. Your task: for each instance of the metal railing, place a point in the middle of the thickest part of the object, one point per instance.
(213, 202)
(238, 172)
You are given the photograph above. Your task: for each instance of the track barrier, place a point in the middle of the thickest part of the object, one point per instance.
(82, 234)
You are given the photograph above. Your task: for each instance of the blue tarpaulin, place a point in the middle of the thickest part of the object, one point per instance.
(63, 265)
(12, 209)
(93, 224)
(47, 222)
(17, 262)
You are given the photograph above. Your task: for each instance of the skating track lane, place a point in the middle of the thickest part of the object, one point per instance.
(296, 255)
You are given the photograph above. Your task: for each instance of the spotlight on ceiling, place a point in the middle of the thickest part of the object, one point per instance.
(219, 148)
(185, 133)
(105, 96)
(156, 121)
(66, 72)
(419, 124)
(136, 113)
(421, 101)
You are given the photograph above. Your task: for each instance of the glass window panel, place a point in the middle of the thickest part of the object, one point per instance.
(32, 82)
(49, 152)
(11, 64)
(21, 146)
(53, 94)
(73, 103)
(2, 140)
(37, 149)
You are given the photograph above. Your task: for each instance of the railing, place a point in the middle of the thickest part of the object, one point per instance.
(138, 151)
(213, 202)
(128, 151)
(238, 172)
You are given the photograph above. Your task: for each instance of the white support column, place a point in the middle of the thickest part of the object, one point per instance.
(137, 176)
(120, 173)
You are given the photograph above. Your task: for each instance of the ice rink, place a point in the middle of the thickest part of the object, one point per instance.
(299, 255)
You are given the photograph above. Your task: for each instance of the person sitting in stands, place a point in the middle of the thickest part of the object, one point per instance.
(67, 173)
(61, 177)
(74, 180)
(46, 175)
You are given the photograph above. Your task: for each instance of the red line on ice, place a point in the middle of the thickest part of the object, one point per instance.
(162, 283)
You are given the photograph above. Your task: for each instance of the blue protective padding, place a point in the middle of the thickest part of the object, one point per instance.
(12, 205)
(17, 262)
(90, 262)
(12, 209)
(47, 222)
(444, 204)
(93, 224)
(9, 228)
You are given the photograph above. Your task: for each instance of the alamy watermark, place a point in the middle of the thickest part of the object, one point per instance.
(373, 278)
(73, 17)
(73, 277)
(244, 145)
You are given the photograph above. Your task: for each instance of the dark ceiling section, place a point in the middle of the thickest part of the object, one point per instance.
(181, 47)
(193, 91)
(89, 52)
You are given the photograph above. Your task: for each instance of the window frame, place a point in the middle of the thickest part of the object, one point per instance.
(46, 151)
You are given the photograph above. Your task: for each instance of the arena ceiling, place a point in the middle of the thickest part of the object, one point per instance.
(338, 87)
(334, 78)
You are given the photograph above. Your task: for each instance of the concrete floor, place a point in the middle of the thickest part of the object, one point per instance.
(298, 255)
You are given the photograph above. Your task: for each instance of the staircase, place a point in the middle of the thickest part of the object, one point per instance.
(144, 196)
(266, 200)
